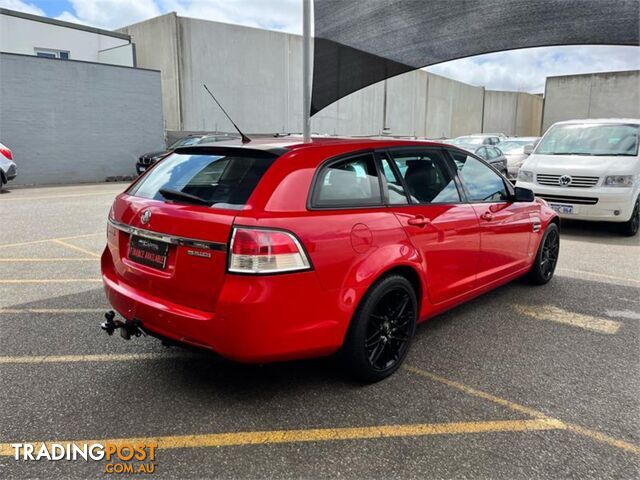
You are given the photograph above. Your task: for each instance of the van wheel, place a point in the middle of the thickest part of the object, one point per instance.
(630, 227)
(381, 330)
(547, 257)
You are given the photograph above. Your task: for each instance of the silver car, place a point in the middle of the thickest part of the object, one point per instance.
(7, 165)
(517, 149)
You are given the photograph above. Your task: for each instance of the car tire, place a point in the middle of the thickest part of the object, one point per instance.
(544, 265)
(630, 227)
(381, 330)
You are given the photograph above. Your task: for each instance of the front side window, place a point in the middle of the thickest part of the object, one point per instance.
(590, 139)
(426, 177)
(351, 182)
(220, 179)
(480, 182)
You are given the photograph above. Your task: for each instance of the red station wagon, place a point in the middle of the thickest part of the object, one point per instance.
(281, 249)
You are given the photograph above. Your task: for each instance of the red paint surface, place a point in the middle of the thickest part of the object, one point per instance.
(456, 254)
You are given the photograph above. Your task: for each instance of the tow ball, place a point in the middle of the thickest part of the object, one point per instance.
(128, 328)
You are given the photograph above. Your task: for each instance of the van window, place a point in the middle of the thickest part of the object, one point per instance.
(606, 139)
(348, 183)
(220, 178)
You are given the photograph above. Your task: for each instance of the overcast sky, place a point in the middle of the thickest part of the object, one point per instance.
(521, 70)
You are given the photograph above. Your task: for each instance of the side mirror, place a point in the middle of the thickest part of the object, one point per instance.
(528, 149)
(523, 195)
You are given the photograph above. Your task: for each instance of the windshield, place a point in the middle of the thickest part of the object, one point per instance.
(468, 141)
(590, 139)
(185, 142)
(223, 180)
(511, 147)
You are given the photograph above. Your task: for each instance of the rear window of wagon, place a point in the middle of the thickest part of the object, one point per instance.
(220, 177)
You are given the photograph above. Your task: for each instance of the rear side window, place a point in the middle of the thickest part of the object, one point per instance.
(351, 182)
(220, 179)
(426, 177)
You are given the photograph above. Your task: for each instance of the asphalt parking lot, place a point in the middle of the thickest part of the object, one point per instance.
(522, 382)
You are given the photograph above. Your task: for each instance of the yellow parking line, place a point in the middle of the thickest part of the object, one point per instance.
(50, 280)
(555, 314)
(603, 275)
(321, 434)
(592, 434)
(75, 247)
(113, 357)
(52, 310)
(45, 240)
(50, 259)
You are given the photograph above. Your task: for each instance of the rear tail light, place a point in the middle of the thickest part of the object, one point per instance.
(259, 251)
(6, 152)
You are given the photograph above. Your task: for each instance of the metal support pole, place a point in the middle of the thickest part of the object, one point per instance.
(306, 69)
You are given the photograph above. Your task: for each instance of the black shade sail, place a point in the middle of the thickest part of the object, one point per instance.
(360, 42)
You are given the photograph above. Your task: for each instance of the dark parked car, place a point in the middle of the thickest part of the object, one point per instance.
(491, 155)
(148, 159)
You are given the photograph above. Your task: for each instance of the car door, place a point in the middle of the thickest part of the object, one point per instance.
(505, 226)
(445, 230)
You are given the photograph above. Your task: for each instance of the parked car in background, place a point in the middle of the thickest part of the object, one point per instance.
(513, 149)
(492, 155)
(282, 249)
(588, 170)
(7, 165)
(477, 139)
(148, 159)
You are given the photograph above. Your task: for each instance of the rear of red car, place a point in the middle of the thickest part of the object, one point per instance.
(179, 264)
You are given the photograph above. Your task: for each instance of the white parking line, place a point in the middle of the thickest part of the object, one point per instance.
(555, 314)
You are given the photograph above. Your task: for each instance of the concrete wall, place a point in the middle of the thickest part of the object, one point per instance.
(256, 74)
(22, 35)
(156, 43)
(69, 121)
(512, 113)
(597, 95)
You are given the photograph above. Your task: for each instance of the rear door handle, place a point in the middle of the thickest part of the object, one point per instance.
(487, 216)
(419, 221)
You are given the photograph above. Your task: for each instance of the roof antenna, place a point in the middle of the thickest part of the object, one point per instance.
(245, 139)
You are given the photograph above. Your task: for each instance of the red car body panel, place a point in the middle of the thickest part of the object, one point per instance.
(463, 250)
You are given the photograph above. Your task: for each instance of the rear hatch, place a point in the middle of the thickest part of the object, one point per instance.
(169, 232)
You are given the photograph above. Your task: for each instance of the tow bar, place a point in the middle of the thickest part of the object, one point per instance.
(127, 328)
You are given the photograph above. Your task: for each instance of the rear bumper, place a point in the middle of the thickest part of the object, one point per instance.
(257, 319)
(611, 204)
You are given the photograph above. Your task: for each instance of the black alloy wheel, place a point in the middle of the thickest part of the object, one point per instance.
(630, 227)
(547, 257)
(382, 329)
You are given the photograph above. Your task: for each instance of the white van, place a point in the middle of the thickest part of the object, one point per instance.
(588, 170)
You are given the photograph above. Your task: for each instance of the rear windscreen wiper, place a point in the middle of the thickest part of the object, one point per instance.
(170, 194)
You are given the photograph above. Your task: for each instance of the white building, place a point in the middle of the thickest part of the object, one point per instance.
(25, 34)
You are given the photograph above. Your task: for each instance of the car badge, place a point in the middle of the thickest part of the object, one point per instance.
(145, 217)
(564, 180)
